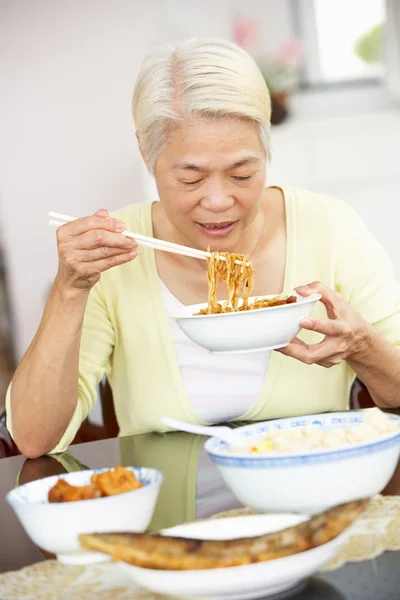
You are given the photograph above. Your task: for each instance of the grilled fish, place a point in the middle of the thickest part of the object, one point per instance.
(155, 551)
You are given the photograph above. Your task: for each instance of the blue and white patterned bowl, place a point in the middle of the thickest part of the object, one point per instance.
(55, 527)
(311, 481)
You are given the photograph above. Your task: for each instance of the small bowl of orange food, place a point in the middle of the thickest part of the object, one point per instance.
(242, 323)
(55, 510)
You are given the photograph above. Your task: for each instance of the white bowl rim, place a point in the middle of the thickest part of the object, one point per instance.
(159, 478)
(304, 453)
(196, 307)
(298, 517)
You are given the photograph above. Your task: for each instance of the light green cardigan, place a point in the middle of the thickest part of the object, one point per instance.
(126, 334)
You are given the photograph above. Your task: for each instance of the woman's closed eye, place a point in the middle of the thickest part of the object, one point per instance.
(192, 182)
(235, 177)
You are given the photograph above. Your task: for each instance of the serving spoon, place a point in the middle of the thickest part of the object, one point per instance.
(226, 434)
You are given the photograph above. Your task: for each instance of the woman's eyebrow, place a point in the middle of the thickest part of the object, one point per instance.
(238, 163)
(188, 166)
(245, 161)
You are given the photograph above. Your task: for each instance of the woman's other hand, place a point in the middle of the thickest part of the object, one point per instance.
(89, 246)
(346, 332)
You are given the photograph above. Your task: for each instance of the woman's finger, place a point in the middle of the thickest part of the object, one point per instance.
(286, 350)
(297, 341)
(102, 213)
(329, 327)
(316, 287)
(98, 238)
(85, 256)
(290, 348)
(311, 353)
(299, 352)
(295, 350)
(86, 270)
(329, 298)
(80, 226)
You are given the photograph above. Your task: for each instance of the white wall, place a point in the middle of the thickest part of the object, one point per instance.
(345, 144)
(66, 131)
(66, 137)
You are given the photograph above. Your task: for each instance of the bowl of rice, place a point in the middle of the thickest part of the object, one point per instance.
(309, 464)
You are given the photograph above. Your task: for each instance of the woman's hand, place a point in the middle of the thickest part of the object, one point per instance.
(346, 332)
(89, 246)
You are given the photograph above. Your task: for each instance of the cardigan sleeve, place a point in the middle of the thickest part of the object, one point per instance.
(364, 275)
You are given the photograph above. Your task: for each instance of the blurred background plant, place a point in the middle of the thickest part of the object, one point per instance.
(280, 69)
(369, 47)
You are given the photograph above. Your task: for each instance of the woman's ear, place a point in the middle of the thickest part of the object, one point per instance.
(143, 154)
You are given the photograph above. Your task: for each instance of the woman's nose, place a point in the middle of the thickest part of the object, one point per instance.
(217, 199)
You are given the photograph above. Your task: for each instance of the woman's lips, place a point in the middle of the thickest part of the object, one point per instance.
(217, 229)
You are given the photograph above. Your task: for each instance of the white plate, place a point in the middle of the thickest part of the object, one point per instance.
(258, 580)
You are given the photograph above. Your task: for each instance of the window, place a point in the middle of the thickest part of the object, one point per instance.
(330, 30)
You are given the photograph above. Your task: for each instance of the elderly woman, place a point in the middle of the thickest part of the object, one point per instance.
(202, 115)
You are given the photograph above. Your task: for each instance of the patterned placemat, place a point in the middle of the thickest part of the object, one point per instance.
(51, 580)
(377, 531)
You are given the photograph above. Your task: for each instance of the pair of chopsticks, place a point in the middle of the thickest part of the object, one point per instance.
(58, 219)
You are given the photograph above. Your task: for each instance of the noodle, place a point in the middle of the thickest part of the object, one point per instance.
(239, 279)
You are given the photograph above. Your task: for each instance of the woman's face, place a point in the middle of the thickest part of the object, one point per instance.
(210, 179)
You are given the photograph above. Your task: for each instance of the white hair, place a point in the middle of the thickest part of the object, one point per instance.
(206, 77)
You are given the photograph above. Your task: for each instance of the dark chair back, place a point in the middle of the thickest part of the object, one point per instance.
(360, 396)
(108, 428)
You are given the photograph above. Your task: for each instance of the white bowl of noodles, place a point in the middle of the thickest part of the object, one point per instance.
(247, 330)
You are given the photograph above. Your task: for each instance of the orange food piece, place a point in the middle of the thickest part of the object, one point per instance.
(108, 483)
(118, 481)
(62, 491)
